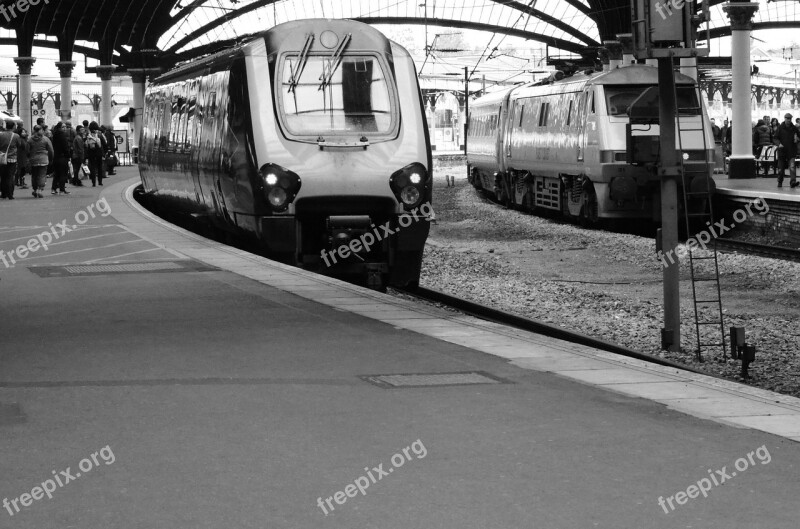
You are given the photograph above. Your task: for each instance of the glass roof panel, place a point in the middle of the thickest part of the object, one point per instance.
(259, 17)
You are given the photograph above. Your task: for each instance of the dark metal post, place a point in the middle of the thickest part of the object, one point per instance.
(466, 107)
(669, 171)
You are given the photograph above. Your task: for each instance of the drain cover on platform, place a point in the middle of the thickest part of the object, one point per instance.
(419, 380)
(120, 268)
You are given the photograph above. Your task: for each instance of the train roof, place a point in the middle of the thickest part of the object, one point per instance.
(634, 74)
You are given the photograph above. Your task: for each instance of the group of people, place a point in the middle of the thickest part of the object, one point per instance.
(59, 152)
(766, 133)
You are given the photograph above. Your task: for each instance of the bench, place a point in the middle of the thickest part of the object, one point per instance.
(768, 157)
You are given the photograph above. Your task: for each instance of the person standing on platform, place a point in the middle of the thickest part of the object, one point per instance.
(716, 131)
(10, 143)
(23, 166)
(111, 146)
(41, 156)
(787, 150)
(95, 147)
(78, 155)
(61, 159)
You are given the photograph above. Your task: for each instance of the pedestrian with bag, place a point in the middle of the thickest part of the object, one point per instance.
(23, 166)
(95, 149)
(787, 150)
(78, 155)
(10, 142)
(41, 156)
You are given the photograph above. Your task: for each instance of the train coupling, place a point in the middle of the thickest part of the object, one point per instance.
(348, 231)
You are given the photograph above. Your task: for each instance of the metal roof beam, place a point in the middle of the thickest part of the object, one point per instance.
(216, 23)
(544, 17)
(574, 47)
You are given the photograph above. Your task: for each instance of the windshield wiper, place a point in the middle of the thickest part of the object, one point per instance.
(334, 62)
(301, 63)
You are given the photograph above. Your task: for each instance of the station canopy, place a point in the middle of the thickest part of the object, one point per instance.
(161, 33)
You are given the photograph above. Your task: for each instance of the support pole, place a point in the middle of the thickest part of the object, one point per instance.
(65, 68)
(742, 162)
(669, 171)
(466, 106)
(25, 65)
(105, 72)
(139, 77)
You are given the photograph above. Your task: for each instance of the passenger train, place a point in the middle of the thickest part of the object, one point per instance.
(306, 138)
(561, 145)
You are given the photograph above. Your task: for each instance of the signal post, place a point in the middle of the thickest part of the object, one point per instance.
(664, 30)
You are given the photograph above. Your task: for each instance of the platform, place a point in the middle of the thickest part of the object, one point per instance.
(238, 392)
(765, 187)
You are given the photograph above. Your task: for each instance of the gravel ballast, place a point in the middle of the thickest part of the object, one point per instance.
(606, 284)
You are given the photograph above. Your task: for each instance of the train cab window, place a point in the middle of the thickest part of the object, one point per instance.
(320, 97)
(620, 98)
(521, 115)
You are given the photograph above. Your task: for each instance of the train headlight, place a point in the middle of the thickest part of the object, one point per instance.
(279, 185)
(277, 197)
(410, 185)
(410, 195)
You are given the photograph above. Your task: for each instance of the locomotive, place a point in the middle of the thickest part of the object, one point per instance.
(306, 139)
(560, 145)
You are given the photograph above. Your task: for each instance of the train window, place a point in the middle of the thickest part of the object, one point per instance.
(569, 113)
(521, 114)
(543, 114)
(591, 103)
(322, 98)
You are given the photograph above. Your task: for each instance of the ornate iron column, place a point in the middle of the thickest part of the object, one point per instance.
(65, 68)
(742, 163)
(25, 65)
(105, 73)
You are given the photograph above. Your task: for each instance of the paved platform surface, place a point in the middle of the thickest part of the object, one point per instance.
(192, 385)
(764, 187)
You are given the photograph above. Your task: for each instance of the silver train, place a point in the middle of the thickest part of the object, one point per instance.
(561, 145)
(311, 139)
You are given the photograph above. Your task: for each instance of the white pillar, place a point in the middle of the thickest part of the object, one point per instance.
(742, 163)
(105, 72)
(65, 68)
(139, 77)
(25, 64)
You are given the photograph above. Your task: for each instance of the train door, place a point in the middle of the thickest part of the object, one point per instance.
(580, 120)
(217, 131)
(194, 139)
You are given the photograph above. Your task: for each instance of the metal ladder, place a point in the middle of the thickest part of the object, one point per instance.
(705, 284)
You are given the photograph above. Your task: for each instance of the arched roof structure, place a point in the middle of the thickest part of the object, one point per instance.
(160, 33)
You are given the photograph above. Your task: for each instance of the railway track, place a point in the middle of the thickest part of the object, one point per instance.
(545, 329)
(762, 250)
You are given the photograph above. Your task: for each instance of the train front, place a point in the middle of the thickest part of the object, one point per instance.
(342, 150)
